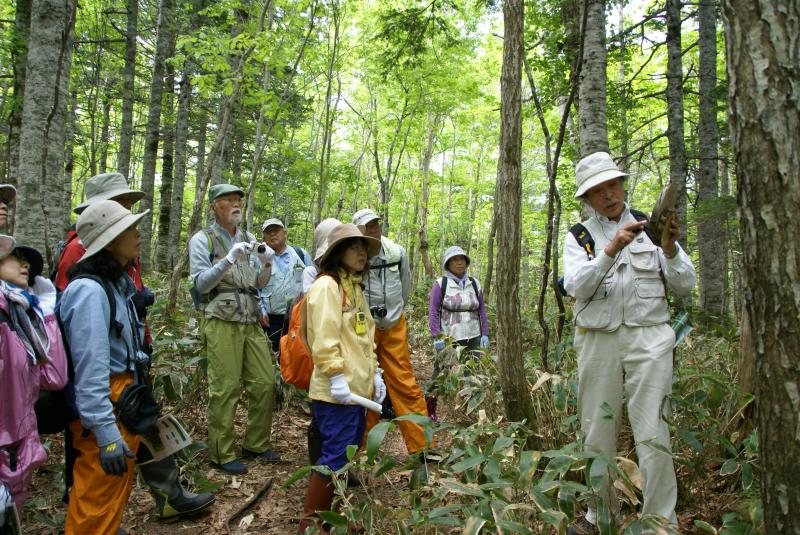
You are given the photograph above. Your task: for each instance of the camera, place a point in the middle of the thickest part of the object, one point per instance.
(378, 311)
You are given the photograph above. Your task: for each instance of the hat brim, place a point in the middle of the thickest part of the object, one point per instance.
(108, 196)
(373, 246)
(599, 178)
(111, 233)
(34, 259)
(7, 193)
(7, 244)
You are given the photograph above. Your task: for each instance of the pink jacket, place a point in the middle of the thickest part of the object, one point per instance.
(21, 450)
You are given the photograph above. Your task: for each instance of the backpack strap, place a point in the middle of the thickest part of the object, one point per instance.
(641, 216)
(300, 253)
(475, 287)
(584, 238)
(114, 326)
(443, 286)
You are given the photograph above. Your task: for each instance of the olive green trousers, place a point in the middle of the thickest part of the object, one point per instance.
(237, 353)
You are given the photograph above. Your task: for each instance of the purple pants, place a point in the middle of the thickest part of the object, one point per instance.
(340, 426)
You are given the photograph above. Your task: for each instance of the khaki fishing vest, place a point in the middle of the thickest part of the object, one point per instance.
(235, 298)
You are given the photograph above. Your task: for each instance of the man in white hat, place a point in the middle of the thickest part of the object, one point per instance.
(619, 277)
(387, 290)
(286, 279)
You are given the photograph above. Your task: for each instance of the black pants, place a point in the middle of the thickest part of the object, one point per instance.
(275, 330)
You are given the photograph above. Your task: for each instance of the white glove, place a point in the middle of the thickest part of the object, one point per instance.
(238, 251)
(43, 289)
(340, 391)
(380, 386)
(265, 257)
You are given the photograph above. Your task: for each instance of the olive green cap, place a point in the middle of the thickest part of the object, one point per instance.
(218, 190)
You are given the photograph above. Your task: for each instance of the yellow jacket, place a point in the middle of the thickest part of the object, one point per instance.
(335, 346)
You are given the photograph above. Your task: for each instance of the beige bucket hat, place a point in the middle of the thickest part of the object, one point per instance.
(345, 231)
(595, 169)
(321, 236)
(7, 244)
(104, 187)
(103, 221)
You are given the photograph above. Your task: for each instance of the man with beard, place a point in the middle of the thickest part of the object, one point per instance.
(226, 267)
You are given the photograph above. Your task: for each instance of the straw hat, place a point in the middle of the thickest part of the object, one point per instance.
(101, 223)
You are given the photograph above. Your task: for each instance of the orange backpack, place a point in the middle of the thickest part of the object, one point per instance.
(295, 355)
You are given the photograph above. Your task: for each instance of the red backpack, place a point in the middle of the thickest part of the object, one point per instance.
(295, 355)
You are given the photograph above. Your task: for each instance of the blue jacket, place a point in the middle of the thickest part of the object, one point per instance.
(97, 351)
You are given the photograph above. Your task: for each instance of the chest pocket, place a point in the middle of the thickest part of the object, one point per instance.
(644, 259)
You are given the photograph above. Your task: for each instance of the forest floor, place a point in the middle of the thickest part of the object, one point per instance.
(278, 510)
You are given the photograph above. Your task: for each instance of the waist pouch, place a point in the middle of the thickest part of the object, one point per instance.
(137, 408)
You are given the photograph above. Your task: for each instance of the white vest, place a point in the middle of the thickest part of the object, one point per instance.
(460, 317)
(633, 291)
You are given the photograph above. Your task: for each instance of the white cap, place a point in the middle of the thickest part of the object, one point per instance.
(593, 170)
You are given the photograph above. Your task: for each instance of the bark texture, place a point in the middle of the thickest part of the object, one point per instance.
(711, 235)
(764, 105)
(42, 136)
(164, 39)
(128, 75)
(508, 193)
(677, 145)
(592, 90)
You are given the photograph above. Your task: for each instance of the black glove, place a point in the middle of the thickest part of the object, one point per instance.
(141, 300)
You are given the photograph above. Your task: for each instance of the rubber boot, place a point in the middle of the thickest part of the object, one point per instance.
(172, 500)
(319, 497)
(431, 402)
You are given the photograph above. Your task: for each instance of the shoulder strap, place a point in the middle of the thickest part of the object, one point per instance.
(641, 216)
(443, 286)
(210, 239)
(475, 287)
(113, 325)
(583, 238)
(299, 251)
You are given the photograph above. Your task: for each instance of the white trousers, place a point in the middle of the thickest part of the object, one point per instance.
(638, 362)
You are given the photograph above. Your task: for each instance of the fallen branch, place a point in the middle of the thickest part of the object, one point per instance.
(253, 499)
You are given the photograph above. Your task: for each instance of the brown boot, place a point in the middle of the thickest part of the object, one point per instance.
(319, 497)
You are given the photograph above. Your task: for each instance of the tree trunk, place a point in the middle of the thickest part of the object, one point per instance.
(508, 192)
(711, 239)
(163, 247)
(592, 109)
(43, 132)
(181, 141)
(764, 113)
(329, 113)
(164, 39)
(677, 145)
(425, 171)
(128, 90)
(19, 54)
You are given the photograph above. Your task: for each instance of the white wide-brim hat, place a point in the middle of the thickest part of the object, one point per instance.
(101, 223)
(593, 170)
(104, 187)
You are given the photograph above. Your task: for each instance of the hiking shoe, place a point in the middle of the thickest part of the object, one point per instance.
(581, 526)
(234, 467)
(267, 455)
